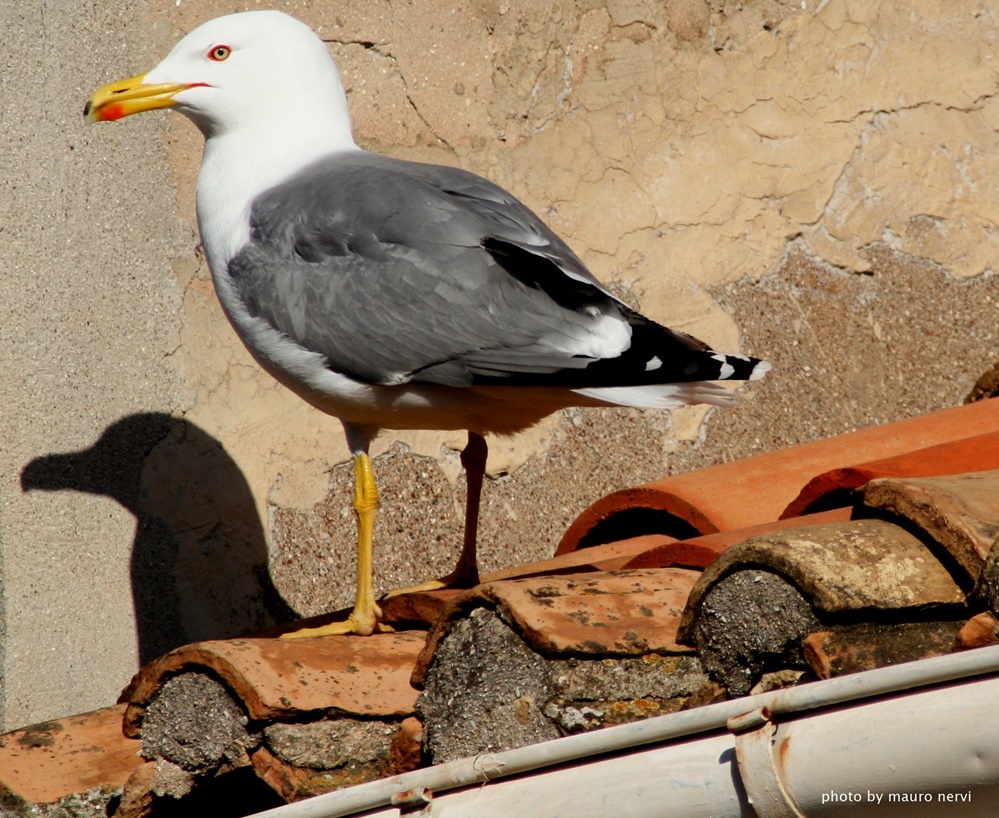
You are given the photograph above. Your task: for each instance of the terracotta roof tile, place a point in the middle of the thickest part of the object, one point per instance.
(414, 609)
(954, 457)
(607, 557)
(428, 606)
(487, 688)
(758, 489)
(751, 610)
(854, 648)
(288, 781)
(44, 763)
(702, 551)
(307, 715)
(619, 613)
(137, 796)
(281, 678)
(646, 551)
(614, 613)
(861, 565)
(960, 512)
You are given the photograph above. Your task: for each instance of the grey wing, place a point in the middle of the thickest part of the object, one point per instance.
(397, 271)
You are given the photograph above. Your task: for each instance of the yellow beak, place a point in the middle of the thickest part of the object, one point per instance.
(127, 97)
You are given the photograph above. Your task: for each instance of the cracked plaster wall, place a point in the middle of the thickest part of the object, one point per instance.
(796, 179)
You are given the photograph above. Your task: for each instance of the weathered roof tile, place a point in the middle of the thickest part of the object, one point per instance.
(702, 551)
(960, 512)
(613, 613)
(867, 645)
(861, 565)
(46, 762)
(283, 678)
(618, 613)
(428, 606)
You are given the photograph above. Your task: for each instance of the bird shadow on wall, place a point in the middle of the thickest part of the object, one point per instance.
(199, 558)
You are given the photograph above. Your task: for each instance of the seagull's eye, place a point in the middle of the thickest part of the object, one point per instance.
(219, 53)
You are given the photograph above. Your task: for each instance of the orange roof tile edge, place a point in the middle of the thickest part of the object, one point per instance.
(979, 453)
(700, 552)
(758, 489)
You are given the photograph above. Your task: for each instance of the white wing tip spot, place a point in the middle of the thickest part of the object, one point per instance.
(761, 369)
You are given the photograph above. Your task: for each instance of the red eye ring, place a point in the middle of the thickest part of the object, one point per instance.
(219, 53)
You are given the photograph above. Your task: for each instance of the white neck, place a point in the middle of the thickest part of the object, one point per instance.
(239, 165)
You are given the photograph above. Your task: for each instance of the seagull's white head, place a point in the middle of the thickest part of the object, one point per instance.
(263, 89)
(236, 73)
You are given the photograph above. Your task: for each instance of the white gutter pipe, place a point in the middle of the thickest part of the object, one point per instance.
(932, 752)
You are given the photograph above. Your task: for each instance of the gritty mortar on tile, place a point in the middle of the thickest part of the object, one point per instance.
(195, 724)
(750, 622)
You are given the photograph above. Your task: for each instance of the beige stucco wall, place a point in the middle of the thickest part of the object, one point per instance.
(811, 181)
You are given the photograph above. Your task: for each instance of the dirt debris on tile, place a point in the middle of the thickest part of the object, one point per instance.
(751, 622)
(300, 760)
(485, 692)
(195, 724)
(779, 679)
(329, 744)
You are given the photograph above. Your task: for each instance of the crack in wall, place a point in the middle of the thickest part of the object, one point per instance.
(384, 50)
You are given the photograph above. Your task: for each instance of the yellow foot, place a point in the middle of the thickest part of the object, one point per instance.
(352, 625)
(455, 580)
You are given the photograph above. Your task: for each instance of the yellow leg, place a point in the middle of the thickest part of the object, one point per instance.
(466, 572)
(364, 619)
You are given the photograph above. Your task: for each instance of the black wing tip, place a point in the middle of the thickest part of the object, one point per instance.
(735, 367)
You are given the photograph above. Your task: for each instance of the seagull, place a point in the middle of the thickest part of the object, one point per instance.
(393, 294)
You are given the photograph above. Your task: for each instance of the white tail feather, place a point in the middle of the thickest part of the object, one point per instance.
(661, 396)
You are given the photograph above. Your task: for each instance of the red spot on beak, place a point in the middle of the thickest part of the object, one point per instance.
(109, 113)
